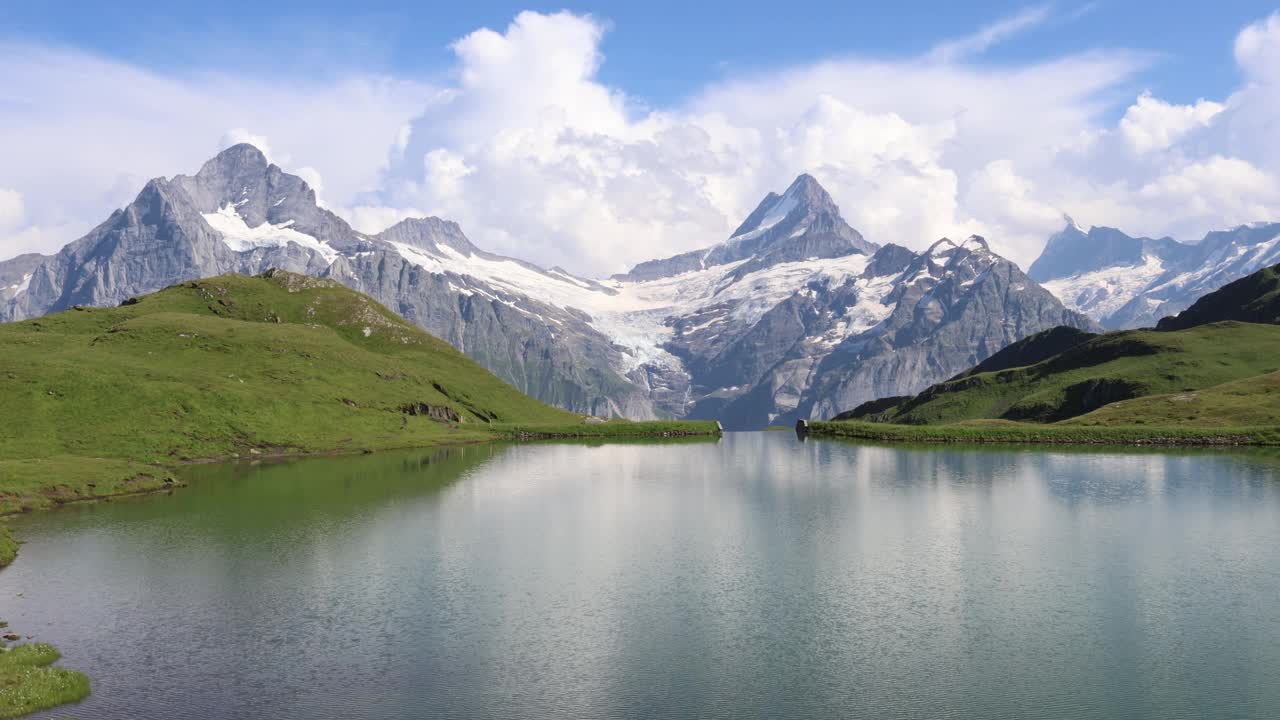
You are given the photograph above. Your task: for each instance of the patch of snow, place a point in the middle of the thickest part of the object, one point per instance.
(241, 238)
(576, 281)
(22, 286)
(421, 258)
(774, 215)
(1102, 292)
(1228, 263)
(691, 329)
(979, 278)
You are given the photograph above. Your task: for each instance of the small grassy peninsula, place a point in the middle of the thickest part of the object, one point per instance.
(108, 401)
(28, 682)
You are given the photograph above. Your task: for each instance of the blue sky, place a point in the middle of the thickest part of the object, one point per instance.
(659, 50)
(593, 136)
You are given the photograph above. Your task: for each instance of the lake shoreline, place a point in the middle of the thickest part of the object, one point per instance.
(45, 686)
(1003, 434)
(68, 480)
(27, 675)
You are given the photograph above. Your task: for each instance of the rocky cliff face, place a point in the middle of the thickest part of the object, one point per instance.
(1127, 282)
(794, 315)
(15, 276)
(902, 322)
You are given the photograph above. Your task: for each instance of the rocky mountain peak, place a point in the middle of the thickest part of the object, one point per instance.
(259, 192)
(804, 199)
(242, 157)
(803, 223)
(947, 250)
(1072, 250)
(429, 233)
(810, 192)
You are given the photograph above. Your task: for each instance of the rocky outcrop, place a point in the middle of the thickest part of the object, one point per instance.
(439, 413)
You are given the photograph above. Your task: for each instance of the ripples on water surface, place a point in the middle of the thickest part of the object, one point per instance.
(756, 577)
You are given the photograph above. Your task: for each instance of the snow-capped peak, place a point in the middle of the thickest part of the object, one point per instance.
(776, 213)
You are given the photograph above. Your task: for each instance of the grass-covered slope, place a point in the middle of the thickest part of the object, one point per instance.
(1209, 375)
(98, 401)
(1106, 369)
(8, 547)
(1028, 351)
(1254, 299)
(1003, 431)
(1031, 350)
(1253, 401)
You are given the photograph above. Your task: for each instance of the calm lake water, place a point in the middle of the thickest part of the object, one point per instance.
(754, 577)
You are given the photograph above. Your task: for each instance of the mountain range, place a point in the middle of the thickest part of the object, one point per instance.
(794, 315)
(1129, 282)
(1215, 364)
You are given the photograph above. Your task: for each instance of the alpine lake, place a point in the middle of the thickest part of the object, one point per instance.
(754, 576)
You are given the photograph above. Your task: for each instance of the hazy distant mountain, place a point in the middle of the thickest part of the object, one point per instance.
(795, 314)
(1253, 299)
(1126, 282)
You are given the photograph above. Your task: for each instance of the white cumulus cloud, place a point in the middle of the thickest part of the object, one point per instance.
(81, 134)
(1153, 124)
(535, 156)
(236, 136)
(11, 209)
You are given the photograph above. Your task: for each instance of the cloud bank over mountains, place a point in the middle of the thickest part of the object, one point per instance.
(537, 158)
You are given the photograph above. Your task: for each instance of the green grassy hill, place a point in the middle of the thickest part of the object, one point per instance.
(1031, 350)
(1255, 299)
(1106, 369)
(98, 401)
(1211, 374)
(1254, 401)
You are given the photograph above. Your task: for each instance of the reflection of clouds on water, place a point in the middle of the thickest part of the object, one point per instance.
(754, 577)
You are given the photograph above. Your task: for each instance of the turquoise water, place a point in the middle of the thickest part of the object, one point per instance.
(754, 577)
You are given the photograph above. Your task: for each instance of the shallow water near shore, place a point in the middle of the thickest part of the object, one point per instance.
(754, 577)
